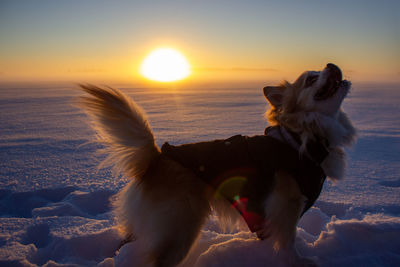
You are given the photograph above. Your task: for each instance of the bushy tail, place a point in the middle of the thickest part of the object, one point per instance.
(123, 128)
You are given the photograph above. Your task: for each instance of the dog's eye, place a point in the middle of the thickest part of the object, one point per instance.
(311, 79)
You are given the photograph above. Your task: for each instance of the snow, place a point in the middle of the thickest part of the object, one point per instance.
(54, 202)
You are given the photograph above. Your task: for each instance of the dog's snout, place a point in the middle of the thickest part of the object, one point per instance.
(331, 65)
(335, 71)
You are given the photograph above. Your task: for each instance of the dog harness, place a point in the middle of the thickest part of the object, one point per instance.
(241, 169)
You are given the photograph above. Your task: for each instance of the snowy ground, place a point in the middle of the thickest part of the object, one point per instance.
(54, 203)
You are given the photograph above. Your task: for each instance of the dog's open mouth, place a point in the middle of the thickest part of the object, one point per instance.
(332, 84)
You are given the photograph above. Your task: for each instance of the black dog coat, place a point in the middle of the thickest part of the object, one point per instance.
(241, 169)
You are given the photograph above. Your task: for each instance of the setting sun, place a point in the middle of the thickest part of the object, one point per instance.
(165, 65)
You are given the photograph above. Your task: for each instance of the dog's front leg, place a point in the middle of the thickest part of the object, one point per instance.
(283, 208)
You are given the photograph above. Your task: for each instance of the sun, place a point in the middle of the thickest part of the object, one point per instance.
(165, 65)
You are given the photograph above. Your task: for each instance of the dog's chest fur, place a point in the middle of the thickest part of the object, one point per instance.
(241, 169)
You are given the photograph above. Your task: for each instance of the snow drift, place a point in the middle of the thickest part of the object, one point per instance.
(55, 208)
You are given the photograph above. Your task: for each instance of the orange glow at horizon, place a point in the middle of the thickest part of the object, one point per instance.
(165, 65)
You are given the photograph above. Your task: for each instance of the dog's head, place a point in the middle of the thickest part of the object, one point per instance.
(314, 91)
(310, 107)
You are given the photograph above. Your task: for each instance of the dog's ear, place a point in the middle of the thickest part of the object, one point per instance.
(274, 94)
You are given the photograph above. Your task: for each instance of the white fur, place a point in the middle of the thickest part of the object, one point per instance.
(338, 131)
(122, 127)
(165, 205)
(299, 111)
(162, 210)
(283, 208)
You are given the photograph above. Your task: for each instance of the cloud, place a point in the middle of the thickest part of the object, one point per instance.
(236, 69)
(86, 70)
(349, 71)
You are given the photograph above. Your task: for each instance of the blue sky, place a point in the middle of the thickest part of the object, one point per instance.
(241, 39)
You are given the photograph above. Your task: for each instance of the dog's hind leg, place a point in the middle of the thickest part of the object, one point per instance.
(166, 233)
(165, 212)
(178, 230)
(177, 241)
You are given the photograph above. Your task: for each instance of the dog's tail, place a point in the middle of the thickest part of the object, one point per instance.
(123, 128)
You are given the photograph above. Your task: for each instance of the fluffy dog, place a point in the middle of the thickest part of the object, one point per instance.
(271, 179)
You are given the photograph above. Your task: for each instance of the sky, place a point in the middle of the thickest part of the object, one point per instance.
(224, 41)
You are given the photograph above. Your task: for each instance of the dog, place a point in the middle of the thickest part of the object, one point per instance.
(270, 179)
